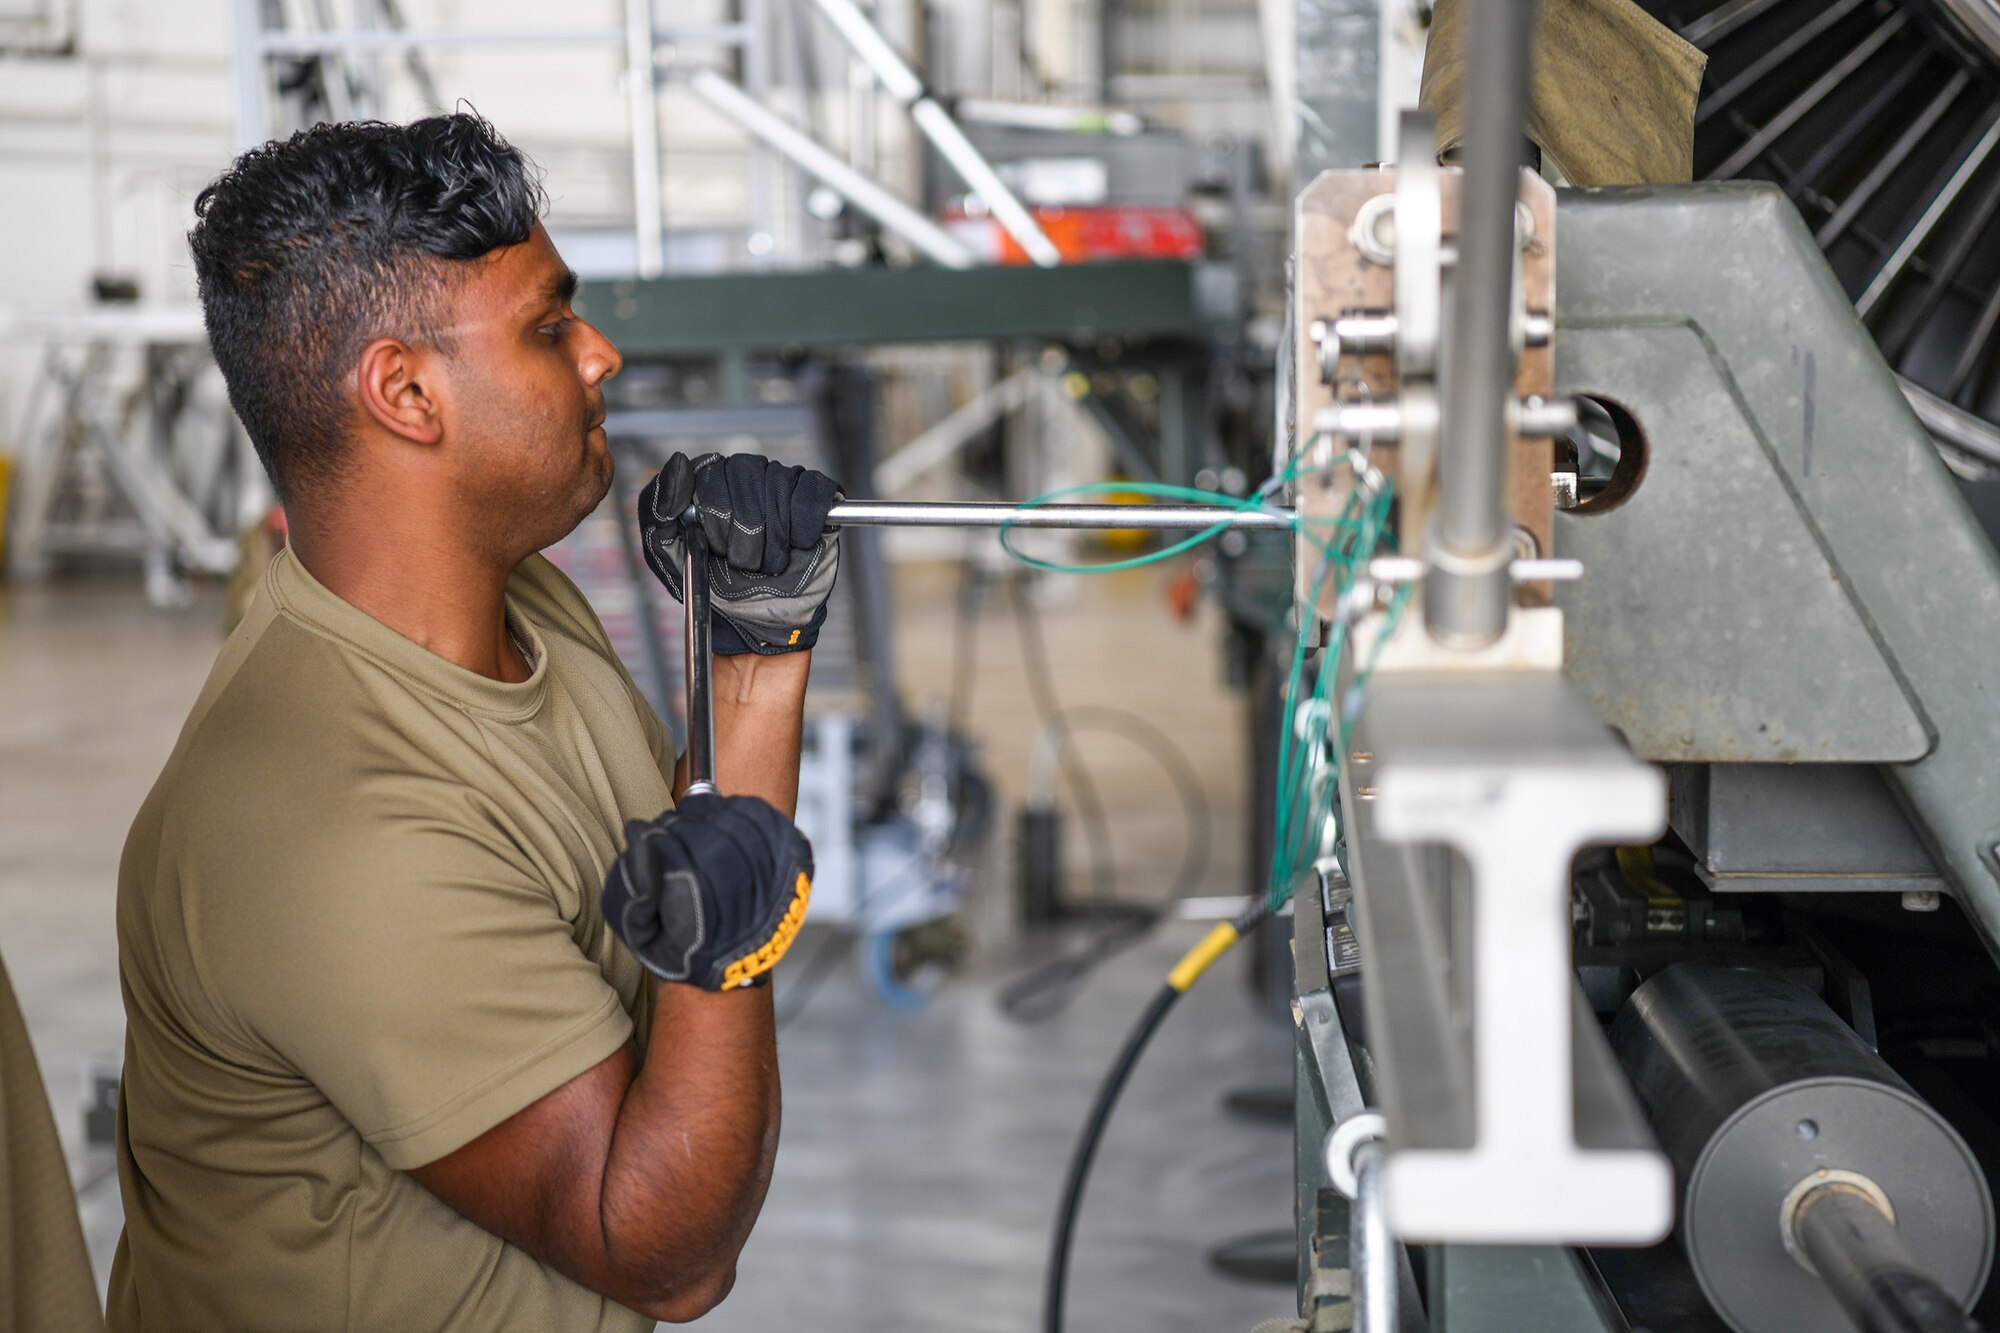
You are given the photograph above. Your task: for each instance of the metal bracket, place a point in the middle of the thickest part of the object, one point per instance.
(1466, 797)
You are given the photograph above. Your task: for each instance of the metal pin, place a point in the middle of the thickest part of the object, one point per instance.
(1149, 517)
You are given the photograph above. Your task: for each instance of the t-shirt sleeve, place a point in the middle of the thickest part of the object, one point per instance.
(425, 981)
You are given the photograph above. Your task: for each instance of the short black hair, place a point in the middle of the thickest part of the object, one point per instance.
(308, 249)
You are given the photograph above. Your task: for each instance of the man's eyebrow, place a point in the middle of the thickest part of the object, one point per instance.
(560, 289)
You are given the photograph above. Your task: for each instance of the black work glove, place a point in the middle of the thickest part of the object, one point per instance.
(710, 894)
(771, 557)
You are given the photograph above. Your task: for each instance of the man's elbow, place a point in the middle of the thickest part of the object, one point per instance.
(690, 1300)
(674, 1283)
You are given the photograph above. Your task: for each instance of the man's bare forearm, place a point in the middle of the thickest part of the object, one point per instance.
(690, 1159)
(759, 717)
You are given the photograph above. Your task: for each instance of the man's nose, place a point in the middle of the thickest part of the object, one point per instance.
(600, 360)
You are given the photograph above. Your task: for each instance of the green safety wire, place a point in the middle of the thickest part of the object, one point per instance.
(1158, 490)
(1305, 795)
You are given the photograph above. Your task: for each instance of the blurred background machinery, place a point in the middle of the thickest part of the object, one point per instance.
(1878, 122)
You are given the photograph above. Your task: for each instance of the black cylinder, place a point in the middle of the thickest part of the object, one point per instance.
(1753, 1085)
(1040, 898)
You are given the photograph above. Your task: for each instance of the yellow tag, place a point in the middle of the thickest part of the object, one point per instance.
(794, 639)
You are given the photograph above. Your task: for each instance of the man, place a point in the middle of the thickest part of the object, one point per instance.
(387, 1066)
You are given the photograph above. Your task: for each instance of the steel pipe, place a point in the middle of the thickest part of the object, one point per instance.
(1913, 239)
(1801, 37)
(1887, 165)
(1719, 23)
(1775, 128)
(1148, 518)
(271, 43)
(696, 601)
(1467, 595)
(277, 43)
(649, 223)
(1952, 426)
(1547, 569)
(902, 83)
(1373, 332)
(1856, 1250)
(1373, 1259)
(1038, 116)
(1534, 417)
(972, 167)
(812, 157)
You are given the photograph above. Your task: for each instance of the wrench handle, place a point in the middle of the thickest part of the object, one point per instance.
(700, 658)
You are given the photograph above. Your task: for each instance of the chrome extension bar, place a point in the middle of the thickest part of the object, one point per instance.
(1147, 517)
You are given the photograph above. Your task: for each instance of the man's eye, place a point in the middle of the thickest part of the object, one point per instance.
(555, 331)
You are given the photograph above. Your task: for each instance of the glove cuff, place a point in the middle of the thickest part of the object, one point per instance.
(729, 638)
(746, 970)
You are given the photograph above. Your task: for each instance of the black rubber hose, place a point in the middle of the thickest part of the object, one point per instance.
(1184, 974)
(1086, 1150)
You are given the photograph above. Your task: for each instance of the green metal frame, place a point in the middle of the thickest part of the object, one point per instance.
(843, 307)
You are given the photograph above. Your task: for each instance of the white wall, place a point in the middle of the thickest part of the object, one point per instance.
(103, 149)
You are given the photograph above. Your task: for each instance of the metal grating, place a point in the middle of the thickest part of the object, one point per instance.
(1880, 120)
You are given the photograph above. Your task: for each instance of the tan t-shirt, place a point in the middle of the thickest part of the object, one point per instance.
(358, 926)
(45, 1279)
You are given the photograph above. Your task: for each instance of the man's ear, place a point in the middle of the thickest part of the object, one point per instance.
(398, 392)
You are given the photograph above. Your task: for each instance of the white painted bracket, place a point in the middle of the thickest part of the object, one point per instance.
(1513, 772)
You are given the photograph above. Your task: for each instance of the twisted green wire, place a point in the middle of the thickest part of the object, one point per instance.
(1302, 811)
(1157, 490)
(1345, 543)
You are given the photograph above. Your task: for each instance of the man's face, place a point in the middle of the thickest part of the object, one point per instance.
(526, 408)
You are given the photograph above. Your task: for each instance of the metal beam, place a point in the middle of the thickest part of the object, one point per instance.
(1886, 166)
(1796, 110)
(936, 124)
(813, 157)
(700, 314)
(1465, 797)
(649, 223)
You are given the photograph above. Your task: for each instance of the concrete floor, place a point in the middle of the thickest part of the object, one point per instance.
(922, 1151)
